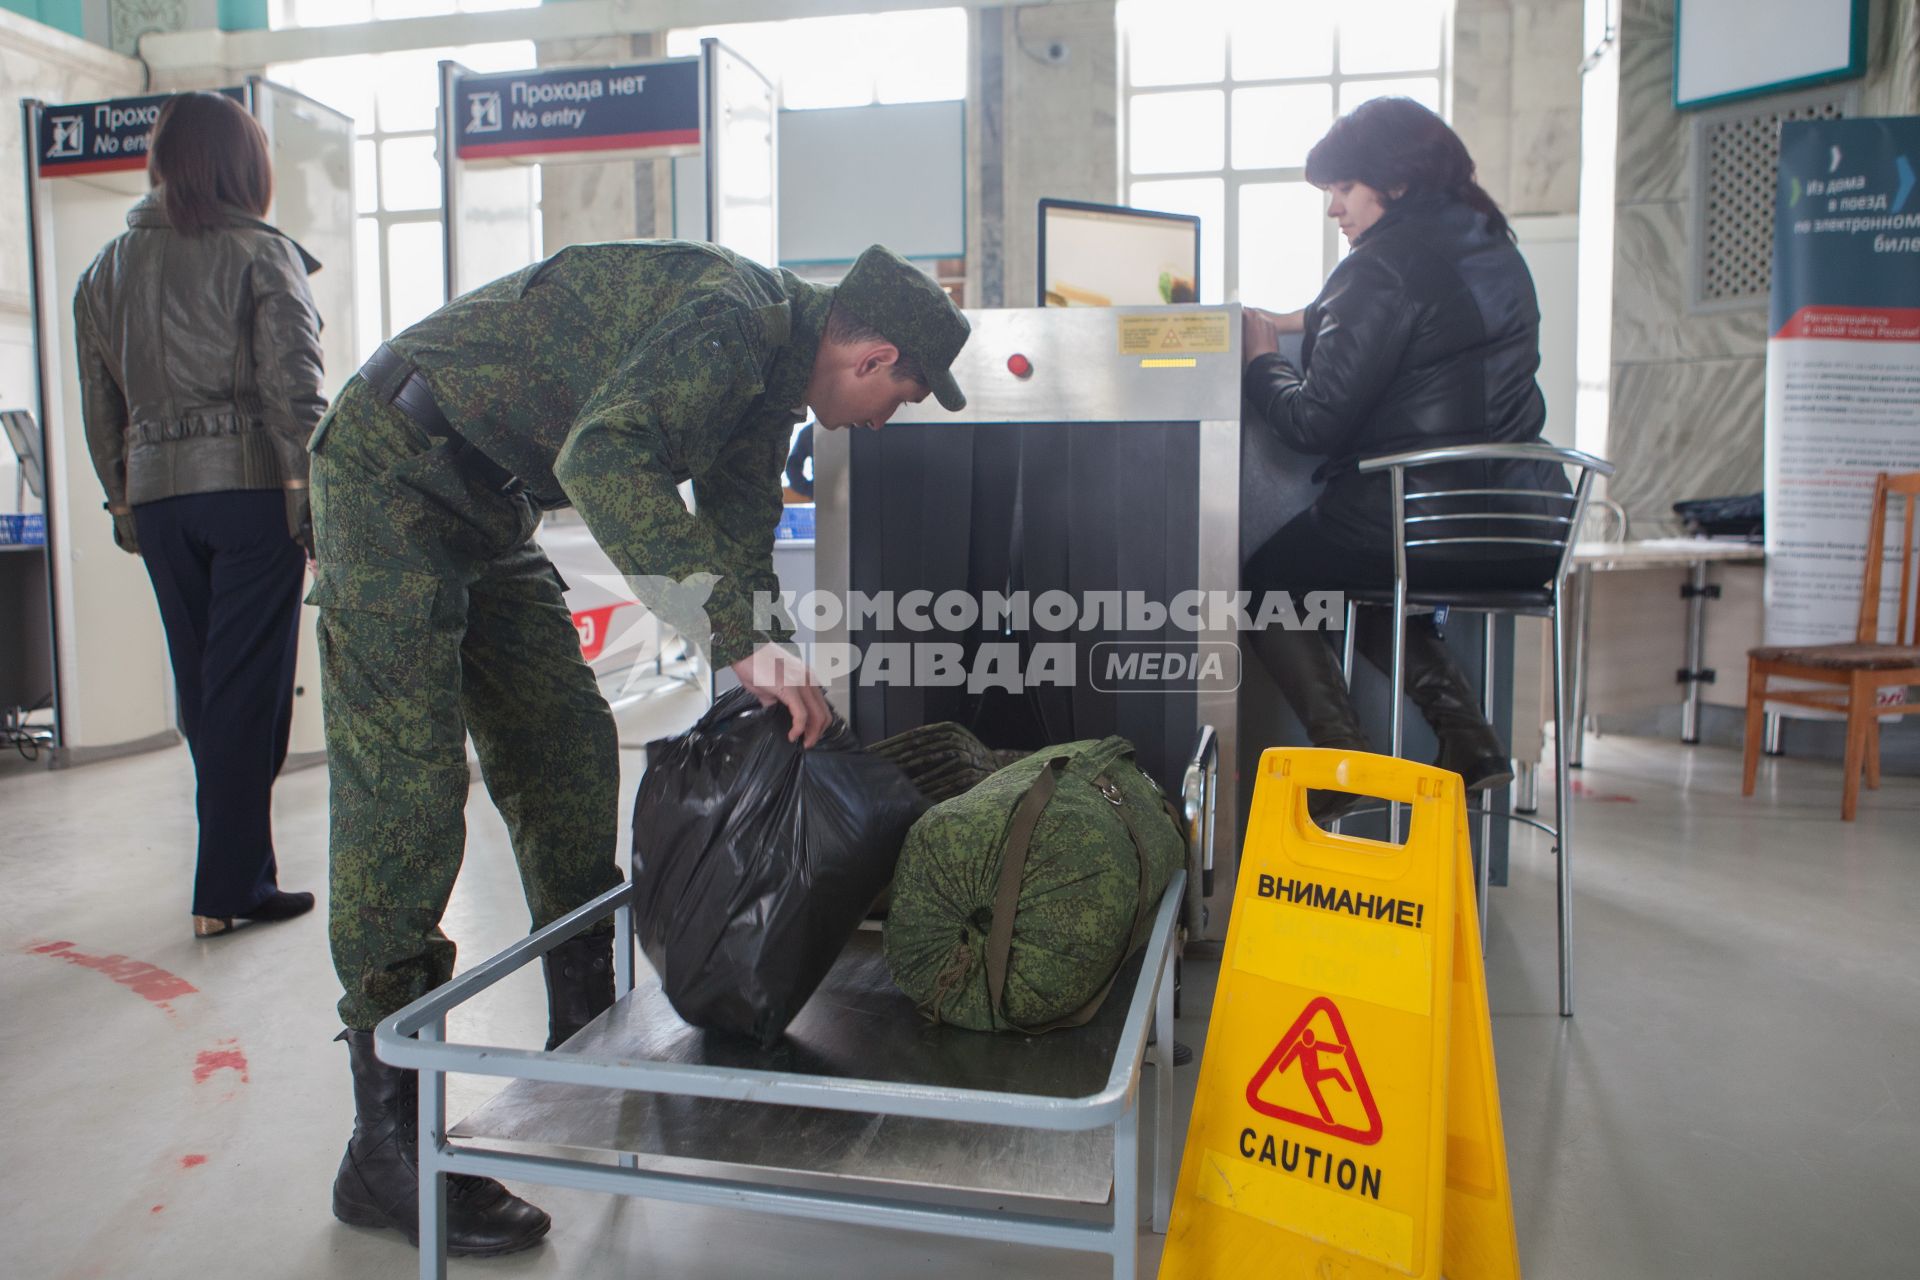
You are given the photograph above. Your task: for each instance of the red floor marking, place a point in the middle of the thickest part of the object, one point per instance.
(1586, 792)
(157, 1208)
(143, 979)
(212, 1060)
(189, 1162)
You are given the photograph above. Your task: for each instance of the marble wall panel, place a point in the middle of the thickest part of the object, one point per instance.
(1684, 429)
(1653, 136)
(1483, 93)
(1056, 125)
(1545, 146)
(1650, 319)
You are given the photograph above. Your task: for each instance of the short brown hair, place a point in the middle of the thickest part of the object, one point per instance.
(1396, 144)
(843, 328)
(206, 152)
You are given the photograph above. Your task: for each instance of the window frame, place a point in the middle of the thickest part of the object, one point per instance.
(1332, 246)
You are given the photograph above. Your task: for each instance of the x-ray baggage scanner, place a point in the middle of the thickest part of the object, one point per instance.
(86, 167)
(498, 131)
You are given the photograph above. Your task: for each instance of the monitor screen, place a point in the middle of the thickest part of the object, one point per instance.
(1102, 255)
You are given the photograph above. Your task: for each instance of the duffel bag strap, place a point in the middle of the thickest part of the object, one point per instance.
(1013, 869)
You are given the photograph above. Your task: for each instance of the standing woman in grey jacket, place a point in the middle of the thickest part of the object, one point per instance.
(200, 383)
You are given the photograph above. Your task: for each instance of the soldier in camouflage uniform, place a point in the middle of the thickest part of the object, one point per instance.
(602, 378)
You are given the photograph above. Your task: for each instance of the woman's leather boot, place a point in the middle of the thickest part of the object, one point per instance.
(379, 1180)
(1468, 744)
(579, 985)
(1303, 665)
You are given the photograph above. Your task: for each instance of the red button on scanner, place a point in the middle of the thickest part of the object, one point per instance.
(1019, 366)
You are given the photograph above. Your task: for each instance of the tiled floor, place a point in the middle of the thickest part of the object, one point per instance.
(1739, 1095)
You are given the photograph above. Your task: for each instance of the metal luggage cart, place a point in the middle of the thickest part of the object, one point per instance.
(863, 1114)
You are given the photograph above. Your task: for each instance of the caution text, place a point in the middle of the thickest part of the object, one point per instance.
(1311, 1163)
(1368, 906)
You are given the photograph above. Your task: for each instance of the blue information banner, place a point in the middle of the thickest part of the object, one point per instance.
(532, 113)
(100, 137)
(1843, 366)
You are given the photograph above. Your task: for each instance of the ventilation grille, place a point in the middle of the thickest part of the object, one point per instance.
(1736, 163)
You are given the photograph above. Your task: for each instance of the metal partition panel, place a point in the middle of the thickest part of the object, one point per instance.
(741, 132)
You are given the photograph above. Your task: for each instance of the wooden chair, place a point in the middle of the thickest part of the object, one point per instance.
(1860, 669)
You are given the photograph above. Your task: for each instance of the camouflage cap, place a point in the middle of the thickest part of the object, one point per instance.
(910, 310)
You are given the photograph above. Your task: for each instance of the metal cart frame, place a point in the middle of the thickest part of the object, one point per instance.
(416, 1037)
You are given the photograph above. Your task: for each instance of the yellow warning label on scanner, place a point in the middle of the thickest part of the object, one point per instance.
(1175, 333)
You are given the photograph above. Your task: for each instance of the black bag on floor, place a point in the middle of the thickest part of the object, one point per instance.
(754, 860)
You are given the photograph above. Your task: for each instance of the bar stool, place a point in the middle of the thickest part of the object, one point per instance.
(1468, 517)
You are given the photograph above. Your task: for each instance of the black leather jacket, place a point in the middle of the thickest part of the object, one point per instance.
(1427, 334)
(199, 359)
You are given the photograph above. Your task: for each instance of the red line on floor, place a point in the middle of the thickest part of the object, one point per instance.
(212, 1060)
(189, 1162)
(148, 981)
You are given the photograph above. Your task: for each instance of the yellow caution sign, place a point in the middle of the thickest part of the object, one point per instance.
(1163, 333)
(1347, 1121)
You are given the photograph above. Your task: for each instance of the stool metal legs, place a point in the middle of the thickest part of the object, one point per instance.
(1562, 803)
(1488, 658)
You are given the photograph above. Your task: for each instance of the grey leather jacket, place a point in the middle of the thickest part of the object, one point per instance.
(199, 359)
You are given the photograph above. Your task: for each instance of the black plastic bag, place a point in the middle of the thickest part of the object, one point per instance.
(754, 860)
(1743, 516)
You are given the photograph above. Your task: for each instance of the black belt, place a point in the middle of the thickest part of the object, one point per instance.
(397, 382)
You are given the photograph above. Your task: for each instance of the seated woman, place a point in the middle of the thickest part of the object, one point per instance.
(1427, 334)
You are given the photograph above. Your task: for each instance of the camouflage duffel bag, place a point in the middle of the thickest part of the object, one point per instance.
(1015, 904)
(943, 760)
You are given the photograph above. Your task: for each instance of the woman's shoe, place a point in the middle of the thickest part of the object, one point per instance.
(279, 905)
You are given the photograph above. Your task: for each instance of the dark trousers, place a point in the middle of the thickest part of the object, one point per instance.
(1313, 553)
(227, 576)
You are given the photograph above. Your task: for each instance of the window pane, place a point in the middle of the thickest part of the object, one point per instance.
(327, 13)
(416, 284)
(506, 55)
(1173, 43)
(825, 63)
(916, 56)
(1208, 198)
(1424, 90)
(371, 325)
(383, 9)
(366, 182)
(1274, 128)
(408, 86)
(345, 84)
(1389, 35)
(1279, 39)
(1176, 132)
(1282, 244)
(409, 175)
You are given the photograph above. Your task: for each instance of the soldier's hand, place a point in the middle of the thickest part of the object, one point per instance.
(776, 674)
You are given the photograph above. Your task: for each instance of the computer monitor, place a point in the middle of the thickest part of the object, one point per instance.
(1104, 255)
(24, 436)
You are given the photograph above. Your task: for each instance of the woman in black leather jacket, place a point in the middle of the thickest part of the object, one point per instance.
(199, 356)
(1427, 334)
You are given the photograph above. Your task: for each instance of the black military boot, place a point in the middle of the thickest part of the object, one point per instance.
(379, 1180)
(1303, 665)
(579, 985)
(1468, 744)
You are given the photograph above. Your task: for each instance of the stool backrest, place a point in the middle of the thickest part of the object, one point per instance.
(1455, 517)
(1906, 624)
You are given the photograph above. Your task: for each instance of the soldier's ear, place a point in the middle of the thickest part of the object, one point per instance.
(878, 356)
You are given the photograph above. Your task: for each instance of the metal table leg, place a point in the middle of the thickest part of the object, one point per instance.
(1772, 744)
(1577, 725)
(1526, 797)
(1126, 1188)
(1696, 651)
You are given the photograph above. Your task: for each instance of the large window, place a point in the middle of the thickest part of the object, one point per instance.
(334, 13)
(1223, 99)
(393, 97)
(853, 61)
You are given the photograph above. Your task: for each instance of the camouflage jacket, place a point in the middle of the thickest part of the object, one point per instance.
(610, 373)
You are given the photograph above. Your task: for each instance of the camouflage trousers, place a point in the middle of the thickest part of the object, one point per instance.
(440, 616)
